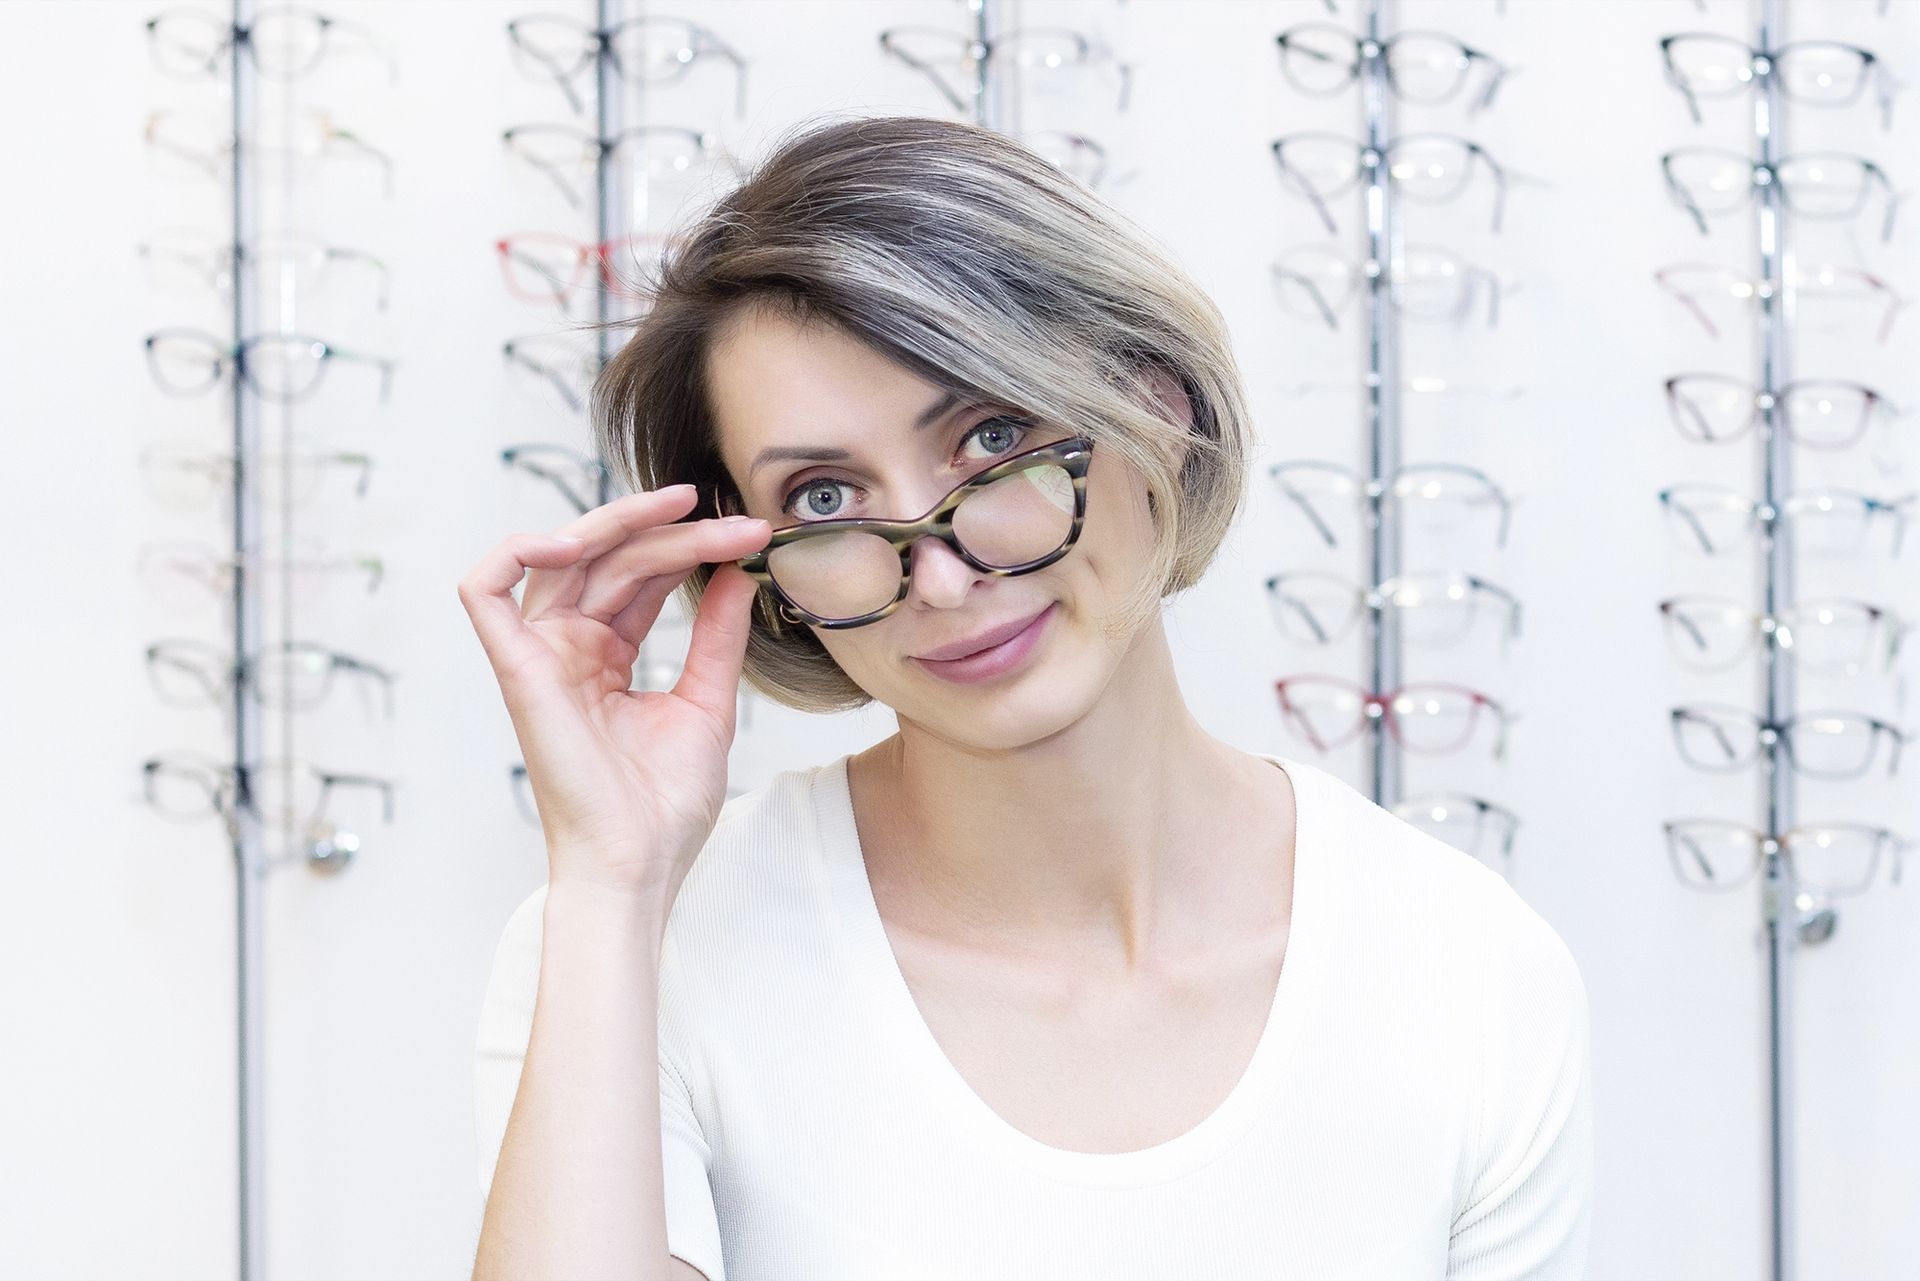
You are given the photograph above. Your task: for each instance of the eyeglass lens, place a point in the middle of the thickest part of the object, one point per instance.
(1012, 521)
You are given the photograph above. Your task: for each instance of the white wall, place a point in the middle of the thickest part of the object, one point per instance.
(116, 1117)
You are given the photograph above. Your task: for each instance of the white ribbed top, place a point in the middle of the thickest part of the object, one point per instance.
(1417, 1104)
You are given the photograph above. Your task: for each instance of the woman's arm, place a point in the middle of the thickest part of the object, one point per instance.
(579, 1188)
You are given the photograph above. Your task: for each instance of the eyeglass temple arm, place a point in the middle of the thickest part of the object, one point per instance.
(1319, 299)
(1305, 189)
(1500, 71)
(1685, 299)
(926, 69)
(552, 172)
(1300, 500)
(1681, 198)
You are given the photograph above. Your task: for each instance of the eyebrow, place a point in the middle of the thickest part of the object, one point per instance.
(932, 414)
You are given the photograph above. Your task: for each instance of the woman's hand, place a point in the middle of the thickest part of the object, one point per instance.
(629, 783)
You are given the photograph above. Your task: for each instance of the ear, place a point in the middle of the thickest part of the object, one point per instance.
(1173, 401)
(1166, 389)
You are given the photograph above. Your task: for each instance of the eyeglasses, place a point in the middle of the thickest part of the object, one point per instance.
(284, 41)
(208, 148)
(650, 51)
(285, 368)
(571, 157)
(542, 266)
(1431, 168)
(185, 260)
(582, 478)
(1707, 181)
(1019, 515)
(1436, 608)
(1833, 859)
(192, 477)
(1708, 633)
(1427, 717)
(292, 674)
(1827, 745)
(1825, 521)
(554, 363)
(1820, 73)
(282, 794)
(1429, 284)
(1819, 413)
(1039, 54)
(1816, 291)
(1444, 493)
(1470, 824)
(166, 566)
(1422, 66)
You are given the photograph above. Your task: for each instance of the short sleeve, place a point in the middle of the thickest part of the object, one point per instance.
(1528, 1209)
(506, 1023)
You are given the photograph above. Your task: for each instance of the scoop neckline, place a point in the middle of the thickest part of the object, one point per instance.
(924, 1065)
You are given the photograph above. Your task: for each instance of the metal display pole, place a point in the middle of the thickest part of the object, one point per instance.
(249, 863)
(985, 103)
(608, 89)
(1382, 403)
(1778, 901)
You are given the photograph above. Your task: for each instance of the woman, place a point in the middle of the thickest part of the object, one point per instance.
(1051, 982)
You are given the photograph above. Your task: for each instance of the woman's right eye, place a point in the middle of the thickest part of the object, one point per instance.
(818, 482)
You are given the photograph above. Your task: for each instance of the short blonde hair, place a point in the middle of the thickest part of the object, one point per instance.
(978, 265)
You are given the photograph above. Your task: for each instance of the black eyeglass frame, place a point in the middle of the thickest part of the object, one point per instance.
(1073, 455)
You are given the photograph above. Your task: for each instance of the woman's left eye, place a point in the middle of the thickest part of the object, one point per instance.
(1014, 428)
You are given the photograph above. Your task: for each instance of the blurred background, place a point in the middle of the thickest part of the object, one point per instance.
(1680, 744)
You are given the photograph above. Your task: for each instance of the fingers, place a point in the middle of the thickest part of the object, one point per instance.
(612, 581)
(486, 592)
(602, 529)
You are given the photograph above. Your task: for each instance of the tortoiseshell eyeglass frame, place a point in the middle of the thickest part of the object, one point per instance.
(1073, 455)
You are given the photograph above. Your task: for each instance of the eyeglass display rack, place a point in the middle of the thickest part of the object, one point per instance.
(1381, 387)
(1791, 915)
(257, 717)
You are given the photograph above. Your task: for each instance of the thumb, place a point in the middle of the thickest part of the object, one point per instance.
(717, 648)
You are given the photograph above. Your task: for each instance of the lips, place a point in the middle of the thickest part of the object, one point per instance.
(985, 640)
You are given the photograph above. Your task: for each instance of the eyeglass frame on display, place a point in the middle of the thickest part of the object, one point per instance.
(1094, 52)
(1383, 488)
(1377, 598)
(1759, 515)
(1766, 733)
(1765, 174)
(1378, 709)
(1870, 66)
(1502, 177)
(236, 34)
(1384, 48)
(224, 351)
(1872, 403)
(243, 671)
(1885, 838)
(600, 41)
(1762, 291)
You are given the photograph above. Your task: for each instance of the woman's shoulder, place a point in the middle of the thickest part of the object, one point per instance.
(1392, 878)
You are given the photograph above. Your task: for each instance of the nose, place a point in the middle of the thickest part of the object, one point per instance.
(936, 574)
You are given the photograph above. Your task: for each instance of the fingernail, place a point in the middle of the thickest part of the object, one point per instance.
(677, 489)
(565, 538)
(740, 520)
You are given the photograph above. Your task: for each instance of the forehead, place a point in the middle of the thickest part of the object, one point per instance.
(775, 381)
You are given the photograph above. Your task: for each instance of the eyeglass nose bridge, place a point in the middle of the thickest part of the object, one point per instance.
(1073, 455)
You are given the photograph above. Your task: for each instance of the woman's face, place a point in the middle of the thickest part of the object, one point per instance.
(777, 384)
